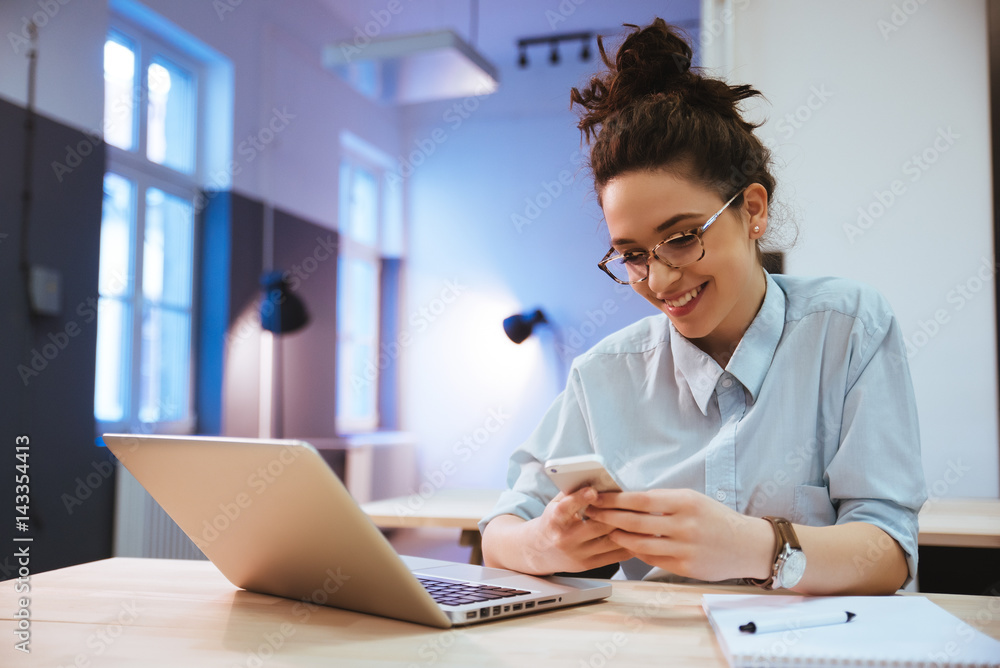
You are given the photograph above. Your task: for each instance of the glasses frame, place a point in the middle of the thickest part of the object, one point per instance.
(651, 253)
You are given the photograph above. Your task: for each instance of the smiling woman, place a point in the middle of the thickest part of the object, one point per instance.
(764, 427)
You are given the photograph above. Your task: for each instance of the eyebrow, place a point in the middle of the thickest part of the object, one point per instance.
(662, 227)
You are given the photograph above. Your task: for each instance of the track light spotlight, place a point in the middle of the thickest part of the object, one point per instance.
(553, 41)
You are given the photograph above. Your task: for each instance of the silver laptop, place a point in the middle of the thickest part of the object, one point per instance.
(275, 519)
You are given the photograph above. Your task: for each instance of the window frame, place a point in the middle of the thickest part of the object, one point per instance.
(350, 248)
(135, 166)
(357, 154)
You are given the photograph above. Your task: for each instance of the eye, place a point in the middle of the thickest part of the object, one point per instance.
(633, 258)
(682, 241)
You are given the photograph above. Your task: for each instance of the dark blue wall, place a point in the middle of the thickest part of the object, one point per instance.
(47, 362)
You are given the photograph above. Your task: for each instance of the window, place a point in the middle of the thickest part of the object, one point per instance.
(370, 236)
(145, 305)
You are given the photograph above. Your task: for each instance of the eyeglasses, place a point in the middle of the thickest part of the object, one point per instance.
(678, 250)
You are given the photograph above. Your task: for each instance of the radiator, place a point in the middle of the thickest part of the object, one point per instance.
(143, 528)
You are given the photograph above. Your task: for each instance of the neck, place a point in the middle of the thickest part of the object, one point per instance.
(721, 344)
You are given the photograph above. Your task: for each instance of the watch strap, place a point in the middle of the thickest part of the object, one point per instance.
(786, 534)
(783, 534)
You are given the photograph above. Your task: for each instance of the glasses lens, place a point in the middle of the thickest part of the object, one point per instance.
(628, 268)
(680, 250)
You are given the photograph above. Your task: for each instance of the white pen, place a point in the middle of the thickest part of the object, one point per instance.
(797, 621)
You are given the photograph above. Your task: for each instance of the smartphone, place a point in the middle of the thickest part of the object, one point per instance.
(571, 473)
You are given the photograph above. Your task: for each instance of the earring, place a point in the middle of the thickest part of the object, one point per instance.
(756, 229)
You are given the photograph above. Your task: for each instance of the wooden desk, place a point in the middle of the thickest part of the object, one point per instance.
(946, 522)
(155, 612)
(960, 523)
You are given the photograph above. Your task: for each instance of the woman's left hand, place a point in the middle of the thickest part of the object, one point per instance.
(687, 533)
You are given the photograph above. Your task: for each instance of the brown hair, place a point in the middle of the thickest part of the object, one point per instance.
(651, 111)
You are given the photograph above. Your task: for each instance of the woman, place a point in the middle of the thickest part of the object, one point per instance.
(764, 427)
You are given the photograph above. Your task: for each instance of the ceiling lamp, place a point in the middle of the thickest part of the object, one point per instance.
(553, 42)
(407, 69)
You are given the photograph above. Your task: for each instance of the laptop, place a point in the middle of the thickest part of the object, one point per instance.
(275, 519)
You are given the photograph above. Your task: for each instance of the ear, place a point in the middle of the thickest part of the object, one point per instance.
(755, 206)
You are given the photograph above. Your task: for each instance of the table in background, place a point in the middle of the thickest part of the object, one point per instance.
(960, 523)
(960, 546)
(158, 612)
(444, 509)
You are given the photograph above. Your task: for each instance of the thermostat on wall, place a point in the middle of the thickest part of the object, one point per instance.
(45, 290)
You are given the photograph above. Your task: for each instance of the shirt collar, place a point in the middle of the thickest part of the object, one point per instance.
(694, 368)
(756, 349)
(750, 361)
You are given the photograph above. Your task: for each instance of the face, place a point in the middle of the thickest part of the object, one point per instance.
(712, 301)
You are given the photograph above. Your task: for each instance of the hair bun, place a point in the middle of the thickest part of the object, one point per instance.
(651, 60)
(682, 62)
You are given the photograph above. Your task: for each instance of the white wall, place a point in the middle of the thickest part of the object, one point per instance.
(894, 86)
(70, 59)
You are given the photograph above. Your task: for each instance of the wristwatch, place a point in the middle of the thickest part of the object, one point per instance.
(789, 559)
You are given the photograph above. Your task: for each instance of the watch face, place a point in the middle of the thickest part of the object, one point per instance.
(792, 569)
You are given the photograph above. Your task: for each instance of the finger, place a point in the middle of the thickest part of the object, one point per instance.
(605, 558)
(568, 510)
(657, 546)
(635, 522)
(654, 500)
(606, 549)
(590, 529)
(579, 500)
(663, 501)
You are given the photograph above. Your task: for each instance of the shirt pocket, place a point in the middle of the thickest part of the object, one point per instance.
(811, 506)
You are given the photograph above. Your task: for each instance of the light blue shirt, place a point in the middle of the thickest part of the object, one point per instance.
(813, 419)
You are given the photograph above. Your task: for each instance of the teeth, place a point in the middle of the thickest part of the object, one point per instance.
(684, 299)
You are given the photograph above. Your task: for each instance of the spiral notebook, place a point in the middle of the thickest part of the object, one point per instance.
(887, 631)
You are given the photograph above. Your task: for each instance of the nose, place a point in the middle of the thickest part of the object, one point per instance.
(661, 276)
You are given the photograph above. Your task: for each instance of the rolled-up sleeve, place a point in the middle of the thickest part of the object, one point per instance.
(876, 475)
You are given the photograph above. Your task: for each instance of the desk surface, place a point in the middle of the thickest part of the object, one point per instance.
(151, 612)
(952, 522)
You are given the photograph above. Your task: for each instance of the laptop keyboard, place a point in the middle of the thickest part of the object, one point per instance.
(450, 592)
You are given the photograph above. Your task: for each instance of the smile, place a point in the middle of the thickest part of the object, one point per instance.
(685, 298)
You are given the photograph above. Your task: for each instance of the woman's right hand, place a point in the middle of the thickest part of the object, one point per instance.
(560, 540)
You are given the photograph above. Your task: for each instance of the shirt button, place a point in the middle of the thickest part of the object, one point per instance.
(720, 495)
(727, 382)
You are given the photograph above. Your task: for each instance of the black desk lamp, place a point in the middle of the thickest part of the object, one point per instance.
(281, 310)
(519, 327)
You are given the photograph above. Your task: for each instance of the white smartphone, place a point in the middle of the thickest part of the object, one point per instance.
(571, 473)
